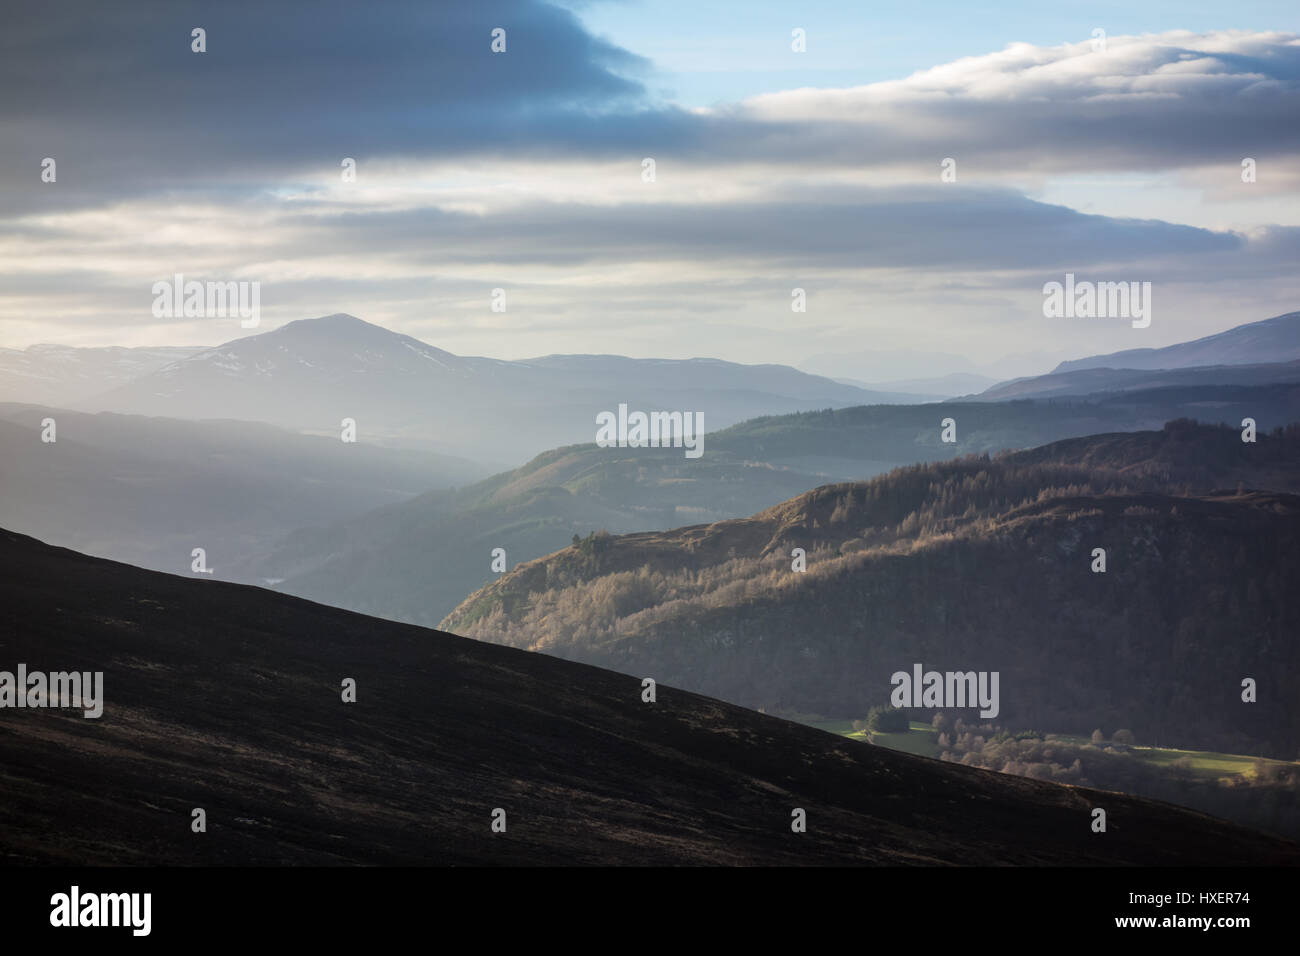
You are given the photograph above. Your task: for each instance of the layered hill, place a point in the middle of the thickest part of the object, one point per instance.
(417, 560)
(226, 698)
(978, 564)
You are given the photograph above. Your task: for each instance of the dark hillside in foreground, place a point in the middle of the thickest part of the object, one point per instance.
(227, 697)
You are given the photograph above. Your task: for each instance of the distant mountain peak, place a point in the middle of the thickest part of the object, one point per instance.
(336, 319)
(336, 333)
(339, 322)
(1276, 339)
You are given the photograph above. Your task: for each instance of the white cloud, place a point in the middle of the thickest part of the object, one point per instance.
(835, 189)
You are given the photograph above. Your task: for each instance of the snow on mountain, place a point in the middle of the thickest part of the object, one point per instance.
(63, 374)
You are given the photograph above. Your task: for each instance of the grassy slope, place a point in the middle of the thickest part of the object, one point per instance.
(921, 740)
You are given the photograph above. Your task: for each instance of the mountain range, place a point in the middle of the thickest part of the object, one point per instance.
(415, 560)
(1268, 341)
(389, 526)
(826, 540)
(311, 374)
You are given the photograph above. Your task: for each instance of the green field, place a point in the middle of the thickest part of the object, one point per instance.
(842, 727)
(1204, 763)
(922, 740)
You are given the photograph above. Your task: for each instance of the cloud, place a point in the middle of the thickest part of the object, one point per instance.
(923, 228)
(522, 169)
(1162, 102)
(115, 94)
(581, 259)
(811, 228)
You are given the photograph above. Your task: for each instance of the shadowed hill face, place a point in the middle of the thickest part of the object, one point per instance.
(971, 565)
(149, 490)
(1183, 454)
(227, 698)
(1094, 381)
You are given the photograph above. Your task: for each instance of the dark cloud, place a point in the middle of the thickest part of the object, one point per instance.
(933, 234)
(923, 228)
(115, 95)
(113, 92)
(286, 90)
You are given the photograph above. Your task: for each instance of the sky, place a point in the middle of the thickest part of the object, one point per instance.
(1103, 140)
